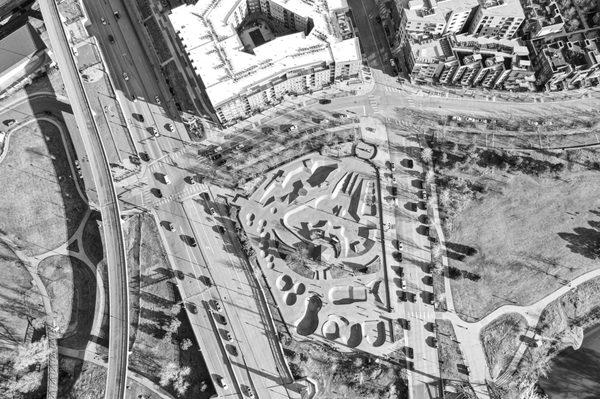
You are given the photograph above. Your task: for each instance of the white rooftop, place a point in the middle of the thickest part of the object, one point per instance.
(435, 11)
(217, 53)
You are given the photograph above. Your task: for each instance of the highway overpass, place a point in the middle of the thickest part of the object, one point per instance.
(108, 204)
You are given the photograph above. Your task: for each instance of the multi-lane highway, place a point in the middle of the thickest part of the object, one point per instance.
(143, 96)
(108, 203)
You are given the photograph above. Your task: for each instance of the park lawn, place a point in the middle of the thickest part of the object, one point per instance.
(21, 301)
(71, 286)
(525, 237)
(159, 305)
(501, 339)
(40, 207)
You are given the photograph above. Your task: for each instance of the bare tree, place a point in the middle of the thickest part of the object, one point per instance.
(172, 373)
(427, 154)
(31, 353)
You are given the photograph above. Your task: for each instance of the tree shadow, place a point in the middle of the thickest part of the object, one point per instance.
(584, 241)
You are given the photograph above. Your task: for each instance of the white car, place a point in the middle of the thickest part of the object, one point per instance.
(167, 180)
(223, 383)
(169, 126)
(403, 284)
(154, 132)
(103, 21)
(125, 76)
(157, 99)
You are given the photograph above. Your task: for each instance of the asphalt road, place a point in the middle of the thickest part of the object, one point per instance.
(410, 228)
(216, 270)
(108, 204)
(136, 95)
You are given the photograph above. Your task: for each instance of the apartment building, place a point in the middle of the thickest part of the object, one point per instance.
(497, 18)
(432, 18)
(568, 65)
(251, 54)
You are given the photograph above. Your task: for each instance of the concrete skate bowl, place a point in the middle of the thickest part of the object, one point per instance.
(284, 282)
(338, 328)
(320, 174)
(299, 288)
(347, 294)
(331, 330)
(375, 332)
(309, 322)
(290, 298)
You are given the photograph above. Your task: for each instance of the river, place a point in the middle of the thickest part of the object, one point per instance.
(576, 374)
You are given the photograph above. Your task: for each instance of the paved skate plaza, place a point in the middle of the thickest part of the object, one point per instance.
(314, 224)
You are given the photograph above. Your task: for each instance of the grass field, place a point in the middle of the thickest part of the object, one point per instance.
(38, 194)
(71, 286)
(452, 368)
(21, 301)
(500, 340)
(80, 379)
(154, 346)
(517, 226)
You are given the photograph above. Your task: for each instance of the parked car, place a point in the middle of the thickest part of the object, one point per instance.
(324, 101)
(223, 383)
(170, 226)
(157, 99)
(153, 131)
(103, 21)
(117, 15)
(111, 38)
(125, 76)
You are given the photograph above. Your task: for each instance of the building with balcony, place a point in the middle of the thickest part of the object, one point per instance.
(497, 18)
(250, 54)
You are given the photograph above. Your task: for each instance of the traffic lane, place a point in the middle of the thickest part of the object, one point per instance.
(364, 17)
(194, 289)
(151, 76)
(245, 331)
(233, 335)
(136, 99)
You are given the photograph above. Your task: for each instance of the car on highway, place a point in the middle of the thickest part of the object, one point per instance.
(403, 284)
(9, 122)
(190, 180)
(397, 256)
(111, 38)
(144, 156)
(157, 99)
(249, 392)
(409, 163)
(216, 305)
(133, 98)
(324, 101)
(156, 192)
(191, 306)
(166, 179)
(227, 335)
(125, 76)
(153, 131)
(103, 21)
(169, 127)
(191, 241)
(223, 383)
(213, 211)
(117, 15)
(170, 226)
(138, 117)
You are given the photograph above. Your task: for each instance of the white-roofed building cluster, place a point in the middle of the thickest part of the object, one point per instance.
(249, 54)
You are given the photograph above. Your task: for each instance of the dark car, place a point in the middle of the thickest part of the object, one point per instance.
(397, 256)
(144, 156)
(324, 101)
(409, 163)
(138, 117)
(408, 352)
(156, 192)
(111, 38)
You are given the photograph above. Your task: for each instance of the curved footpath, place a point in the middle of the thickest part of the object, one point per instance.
(108, 204)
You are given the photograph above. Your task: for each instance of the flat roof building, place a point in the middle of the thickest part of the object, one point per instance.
(250, 54)
(22, 52)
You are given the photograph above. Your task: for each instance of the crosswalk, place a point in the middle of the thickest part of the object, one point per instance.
(373, 102)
